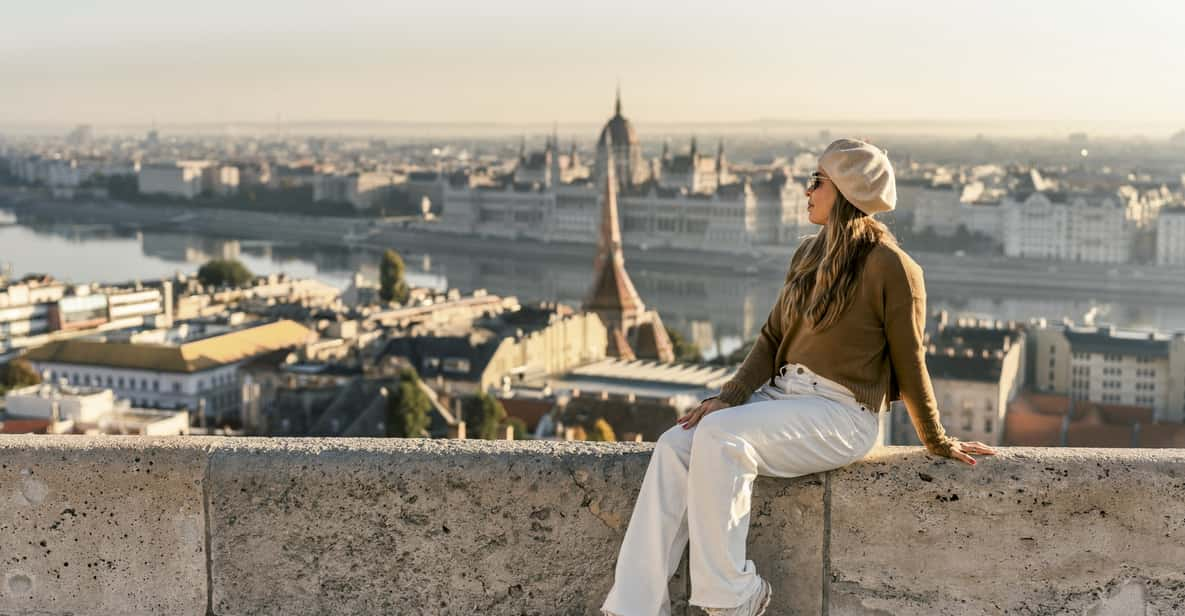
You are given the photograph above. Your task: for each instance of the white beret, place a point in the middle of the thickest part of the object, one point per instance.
(862, 173)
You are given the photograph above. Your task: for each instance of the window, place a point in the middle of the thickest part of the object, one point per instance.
(155, 384)
(459, 365)
(120, 381)
(176, 387)
(987, 426)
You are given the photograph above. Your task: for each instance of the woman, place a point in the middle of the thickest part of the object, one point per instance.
(844, 338)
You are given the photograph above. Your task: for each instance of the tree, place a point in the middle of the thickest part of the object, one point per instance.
(18, 373)
(393, 288)
(519, 427)
(407, 413)
(685, 350)
(601, 431)
(219, 272)
(485, 414)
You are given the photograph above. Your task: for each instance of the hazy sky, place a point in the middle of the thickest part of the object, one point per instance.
(1103, 66)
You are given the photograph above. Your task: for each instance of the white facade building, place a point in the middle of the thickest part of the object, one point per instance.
(361, 190)
(195, 375)
(92, 410)
(1170, 236)
(1098, 228)
(1111, 366)
(181, 179)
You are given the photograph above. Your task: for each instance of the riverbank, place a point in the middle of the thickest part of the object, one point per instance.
(949, 272)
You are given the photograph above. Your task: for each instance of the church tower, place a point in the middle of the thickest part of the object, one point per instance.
(633, 331)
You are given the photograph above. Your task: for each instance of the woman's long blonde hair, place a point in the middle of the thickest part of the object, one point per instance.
(823, 279)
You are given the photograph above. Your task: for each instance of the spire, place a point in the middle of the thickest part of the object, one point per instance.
(617, 105)
(694, 148)
(612, 295)
(609, 244)
(522, 148)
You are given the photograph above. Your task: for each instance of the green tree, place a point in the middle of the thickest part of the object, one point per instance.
(483, 416)
(685, 350)
(520, 428)
(407, 412)
(392, 286)
(601, 431)
(219, 272)
(19, 373)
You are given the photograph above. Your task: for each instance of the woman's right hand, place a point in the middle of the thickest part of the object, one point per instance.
(711, 405)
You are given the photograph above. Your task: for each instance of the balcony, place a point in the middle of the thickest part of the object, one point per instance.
(212, 525)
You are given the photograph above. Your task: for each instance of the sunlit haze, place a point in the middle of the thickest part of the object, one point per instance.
(996, 67)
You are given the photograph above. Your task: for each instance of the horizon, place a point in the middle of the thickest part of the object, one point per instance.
(996, 69)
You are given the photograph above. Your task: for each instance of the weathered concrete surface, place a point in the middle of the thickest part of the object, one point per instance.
(1027, 531)
(379, 526)
(390, 526)
(101, 526)
(786, 541)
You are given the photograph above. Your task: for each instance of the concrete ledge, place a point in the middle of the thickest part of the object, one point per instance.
(102, 526)
(208, 525)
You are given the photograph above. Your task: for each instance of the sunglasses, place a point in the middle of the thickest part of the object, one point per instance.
(815, 180)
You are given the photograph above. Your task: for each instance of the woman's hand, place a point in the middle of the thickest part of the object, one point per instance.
(711, 405)
(960, 449)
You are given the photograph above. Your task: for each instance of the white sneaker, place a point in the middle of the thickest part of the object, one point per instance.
(753, 606)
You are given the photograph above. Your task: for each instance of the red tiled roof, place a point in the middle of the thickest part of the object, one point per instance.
(1035, 420)
(24, 426)
(1081, 434)
(526, 409)
(1162, 435)
(1024, 426)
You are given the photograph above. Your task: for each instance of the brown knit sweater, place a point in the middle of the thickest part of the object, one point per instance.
(876, 348)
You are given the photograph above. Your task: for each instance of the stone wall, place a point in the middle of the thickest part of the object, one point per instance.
(206, 525)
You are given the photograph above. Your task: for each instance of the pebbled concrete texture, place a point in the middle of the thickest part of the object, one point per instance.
(101, 526)
(1028, 531)
(786, 541)
(391, 526)
(377, 526)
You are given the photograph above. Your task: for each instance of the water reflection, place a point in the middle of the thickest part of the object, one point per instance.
(715, 310)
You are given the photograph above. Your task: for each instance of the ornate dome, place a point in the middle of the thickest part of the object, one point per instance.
(618, 131)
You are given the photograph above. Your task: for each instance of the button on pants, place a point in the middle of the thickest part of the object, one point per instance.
(699, 484)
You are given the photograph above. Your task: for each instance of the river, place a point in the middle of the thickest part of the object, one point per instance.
(716, 309)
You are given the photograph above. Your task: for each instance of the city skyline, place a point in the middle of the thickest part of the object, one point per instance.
(998, 69)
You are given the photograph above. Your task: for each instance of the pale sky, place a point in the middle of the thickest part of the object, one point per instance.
(1108, 66)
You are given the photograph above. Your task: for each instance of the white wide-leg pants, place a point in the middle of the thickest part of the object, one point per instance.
(699, 484)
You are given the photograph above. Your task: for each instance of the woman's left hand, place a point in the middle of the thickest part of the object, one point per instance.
(711, 405)
(960, 449)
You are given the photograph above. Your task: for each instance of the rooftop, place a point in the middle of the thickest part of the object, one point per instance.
(195, 356)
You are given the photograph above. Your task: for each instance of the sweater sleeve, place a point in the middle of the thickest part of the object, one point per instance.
(758, 364)
(905, 320)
